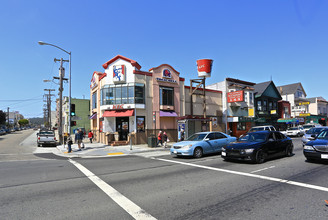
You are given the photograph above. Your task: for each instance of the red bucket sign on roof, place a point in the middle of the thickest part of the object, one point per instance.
(204, 67)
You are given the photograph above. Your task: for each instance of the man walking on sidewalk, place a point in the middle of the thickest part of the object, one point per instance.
(79, 139)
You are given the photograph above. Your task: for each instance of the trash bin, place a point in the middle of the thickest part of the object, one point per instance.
(152, 142)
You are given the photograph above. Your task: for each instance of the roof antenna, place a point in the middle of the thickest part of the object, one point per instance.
(271, 77)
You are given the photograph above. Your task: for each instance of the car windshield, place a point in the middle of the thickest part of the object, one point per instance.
(292, 129)
(308, 126)
(323, 135)
(47, 133)
(256, 129)
(197, 137)
(314, 131)
(251, 137)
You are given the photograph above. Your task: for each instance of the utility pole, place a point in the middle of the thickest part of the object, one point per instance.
(61, 78)
(8, 116)
(49, 106)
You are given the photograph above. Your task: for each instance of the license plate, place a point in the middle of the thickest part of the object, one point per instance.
(175, 152)
(324, 156)
(223, 153)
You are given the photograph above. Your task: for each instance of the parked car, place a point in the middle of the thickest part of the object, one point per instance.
(262, 128)
(258, 146)
(201, 143)
(309, 126)
(295, 131)
(317, 149)
(312, 133)
(46, 138)
(2, 131)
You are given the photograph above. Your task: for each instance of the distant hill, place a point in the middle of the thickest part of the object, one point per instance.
(36, 121)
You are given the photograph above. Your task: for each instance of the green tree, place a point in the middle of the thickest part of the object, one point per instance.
(23, 122)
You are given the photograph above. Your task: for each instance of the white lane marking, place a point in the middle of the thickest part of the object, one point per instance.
(310, 186)
(255, 171)
(134, 210)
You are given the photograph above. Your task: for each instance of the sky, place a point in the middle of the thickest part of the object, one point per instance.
(250, 40)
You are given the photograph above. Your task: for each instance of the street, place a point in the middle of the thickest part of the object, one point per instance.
(36, 184)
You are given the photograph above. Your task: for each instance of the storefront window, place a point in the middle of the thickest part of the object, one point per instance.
(123, 94)
(131, 94)
(141, 124)
(94, 100)
(241, 126)
(264, 105)
(118, 95)
(166, 95)
(251, 98)
(270, 106)
(259, 105)
(139, 94)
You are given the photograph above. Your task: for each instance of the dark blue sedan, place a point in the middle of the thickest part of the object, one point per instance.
(318, 148)
(258, 146)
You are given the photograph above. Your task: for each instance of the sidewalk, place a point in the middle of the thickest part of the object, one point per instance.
(93, 150)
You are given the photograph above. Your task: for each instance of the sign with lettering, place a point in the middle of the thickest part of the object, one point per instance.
(118, 106)
(119, 73)
(237, 96)
(304, 103)
(166, 80)
(305, 114)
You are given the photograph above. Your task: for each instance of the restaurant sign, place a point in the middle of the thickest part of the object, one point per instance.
(166, 80)
(237, 96)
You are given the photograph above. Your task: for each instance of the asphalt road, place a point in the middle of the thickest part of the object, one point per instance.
(35, 184)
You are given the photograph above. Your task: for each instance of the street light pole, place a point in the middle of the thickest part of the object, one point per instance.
(70, 82)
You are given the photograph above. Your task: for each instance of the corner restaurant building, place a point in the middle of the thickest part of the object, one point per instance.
(126, 100)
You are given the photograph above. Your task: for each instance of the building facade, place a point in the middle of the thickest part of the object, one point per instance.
(267, 97)
(80, 117)
(296, 96)
(238, 104)
(318, 108)
(128, 102)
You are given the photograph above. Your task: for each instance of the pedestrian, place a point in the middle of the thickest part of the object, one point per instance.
(90, 136)
(79, 139)
(164, 136)
(75, 135)
(182, 134)
(69, 143)
(159, 138)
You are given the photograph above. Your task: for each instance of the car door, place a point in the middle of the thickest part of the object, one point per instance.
(282, 142)
(209, 143)
(271, 144)
(221, 141)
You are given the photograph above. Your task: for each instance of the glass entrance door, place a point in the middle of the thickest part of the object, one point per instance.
(122, 127)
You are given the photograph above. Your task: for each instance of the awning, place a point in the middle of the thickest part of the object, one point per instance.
(93, 116)
(168, 114)
(288, 120)
(119, 113)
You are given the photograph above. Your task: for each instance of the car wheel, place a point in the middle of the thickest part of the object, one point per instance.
(198, 152)
(289, 151)
(260, 157)
(298, 135)
(38, 145)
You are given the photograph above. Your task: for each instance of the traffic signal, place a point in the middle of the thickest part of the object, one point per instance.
(72, 109)
(73, 123)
